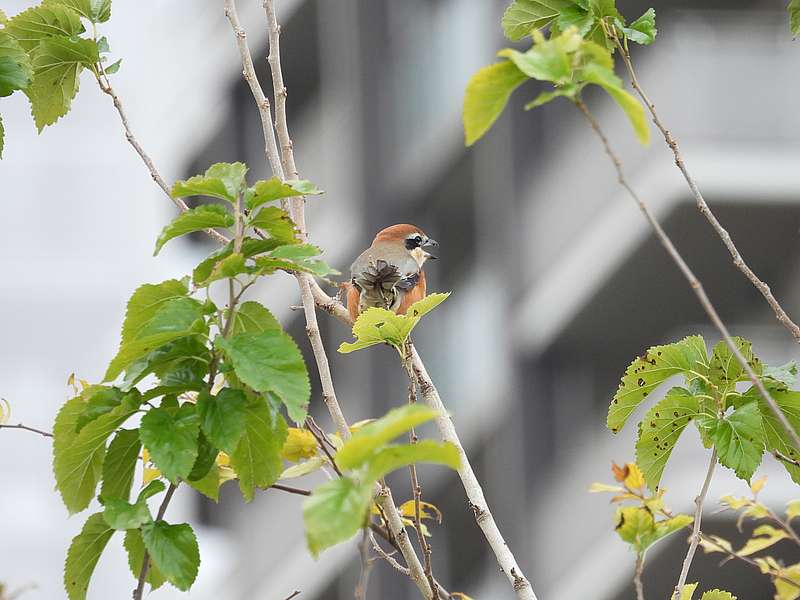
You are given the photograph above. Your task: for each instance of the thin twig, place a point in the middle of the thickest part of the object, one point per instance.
(637, 578)
(698, 516)
(366, 565)
(290, 489)
(294, 594)
(691, 278)
(782, 457)
(139, 591)
(105, 85)
(26, 428)
(703, 207)
(314, 429)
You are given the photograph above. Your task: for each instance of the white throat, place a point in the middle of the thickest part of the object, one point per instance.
(420, 256)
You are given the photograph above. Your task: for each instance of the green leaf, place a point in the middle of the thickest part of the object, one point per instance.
(200, 218)
(634, 525)
(113, 67)
(99, 401)
(647, 372)
(57, 63)
(334, 512)
(394, 457)
(276, 222)
(774, 434)
(547, 60)
(257, 459)
(228, 267)
(780, 378)
(206, 457)
(222, 417)
(717, 595)
(739, 439)
(659, 432)
(275, 189)
(121, 515)
(173, 319)
(379, 326)
(97, 11)
(371, 437)
(2, 136)
(605, 78)
(252, 317)
(642, 30)
(83, 554)
(670, 526)
(78, 459)
(171, 438)
(486, 96)
(119, 464)
(145, 302)
(270, 361)
(42, 22)
(209, 484)
(135, 548)
(181, 365)
(794, 17)
(222, 180)
(523, 16)
(568, 91)
(725, 370)
(174, 550)
(16, 71)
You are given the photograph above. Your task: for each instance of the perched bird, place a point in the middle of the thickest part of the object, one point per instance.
(389, 273)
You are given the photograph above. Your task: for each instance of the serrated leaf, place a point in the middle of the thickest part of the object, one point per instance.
(222, 417)
(523, 16)
(300, 443)
(605, 78)
(174, 550)
(221, 180)
(370, 438)
(659, 431)
(171, 438)
(99, 401)
(146, 301)
(390, 458)
(780, 378)
(256, 459)
(634, 525)
(786, 590)
(97, 11)
(78, 459)
(794, 17)
(39, 23)
(57, 63)
(738, 438)
(381, 326)
(642, 30)
(180, 365)
(763, 537)
(334, 512)
(113, 67)
(725, 370)
(669, 526)
(486, 96)
(209, 484)
(774, 434)
(206, 457)
(646, 373)
(120, 463)
(252, 317)
(270, 361)
(120, 514)
(83, 554)
(16, 71)
(173, 319)
(544, 61)
(203, 217)
(276, 222)
(134, 545)
(275, 189)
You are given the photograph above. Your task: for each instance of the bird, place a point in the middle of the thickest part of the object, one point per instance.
(389, 274)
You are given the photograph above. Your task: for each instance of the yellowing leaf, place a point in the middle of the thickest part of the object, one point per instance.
(486, 96)
(300, 443)
(792, 509)
(149, 475)
(717, 595)
(602, 487)
(303, 468)
(734, 503)
(460, 596)
(764, 536)
(688, 591)
(634, 479)
(408, 509)
(223, 460)
(5, 413)
(784, 589)
(714, 543)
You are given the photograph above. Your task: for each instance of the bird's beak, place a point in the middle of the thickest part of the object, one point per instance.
(430, 243)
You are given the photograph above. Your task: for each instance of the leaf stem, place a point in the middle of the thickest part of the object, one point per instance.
(698, 515)
(139, 591)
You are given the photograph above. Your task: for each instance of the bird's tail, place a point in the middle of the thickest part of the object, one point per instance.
(378, 284)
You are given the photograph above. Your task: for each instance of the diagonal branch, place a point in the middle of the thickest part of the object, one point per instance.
(691, 278)
(702, 206)
(139, 591)
(26, 428)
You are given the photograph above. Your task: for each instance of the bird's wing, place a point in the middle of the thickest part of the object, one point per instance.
(385, 266)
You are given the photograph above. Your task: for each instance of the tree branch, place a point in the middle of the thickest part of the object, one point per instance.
(366, 565)
(139, 591)
(637, 577)
(26, 428)
(691, 278)
(698, 515)
(702, 206)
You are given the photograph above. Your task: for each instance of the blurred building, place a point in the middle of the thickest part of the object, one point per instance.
(558, 283)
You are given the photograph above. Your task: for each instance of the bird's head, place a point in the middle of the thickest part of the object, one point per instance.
(413, 239)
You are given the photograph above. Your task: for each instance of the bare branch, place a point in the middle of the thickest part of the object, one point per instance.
(26, 428)
(691, 278)
(782, 457)
(698, 516)
(703, 207)
(139, 591)
(637, 577)
(294, 594)
(105, 86)
(366, 565)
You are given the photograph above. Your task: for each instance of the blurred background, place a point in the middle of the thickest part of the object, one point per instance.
(557, 282)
